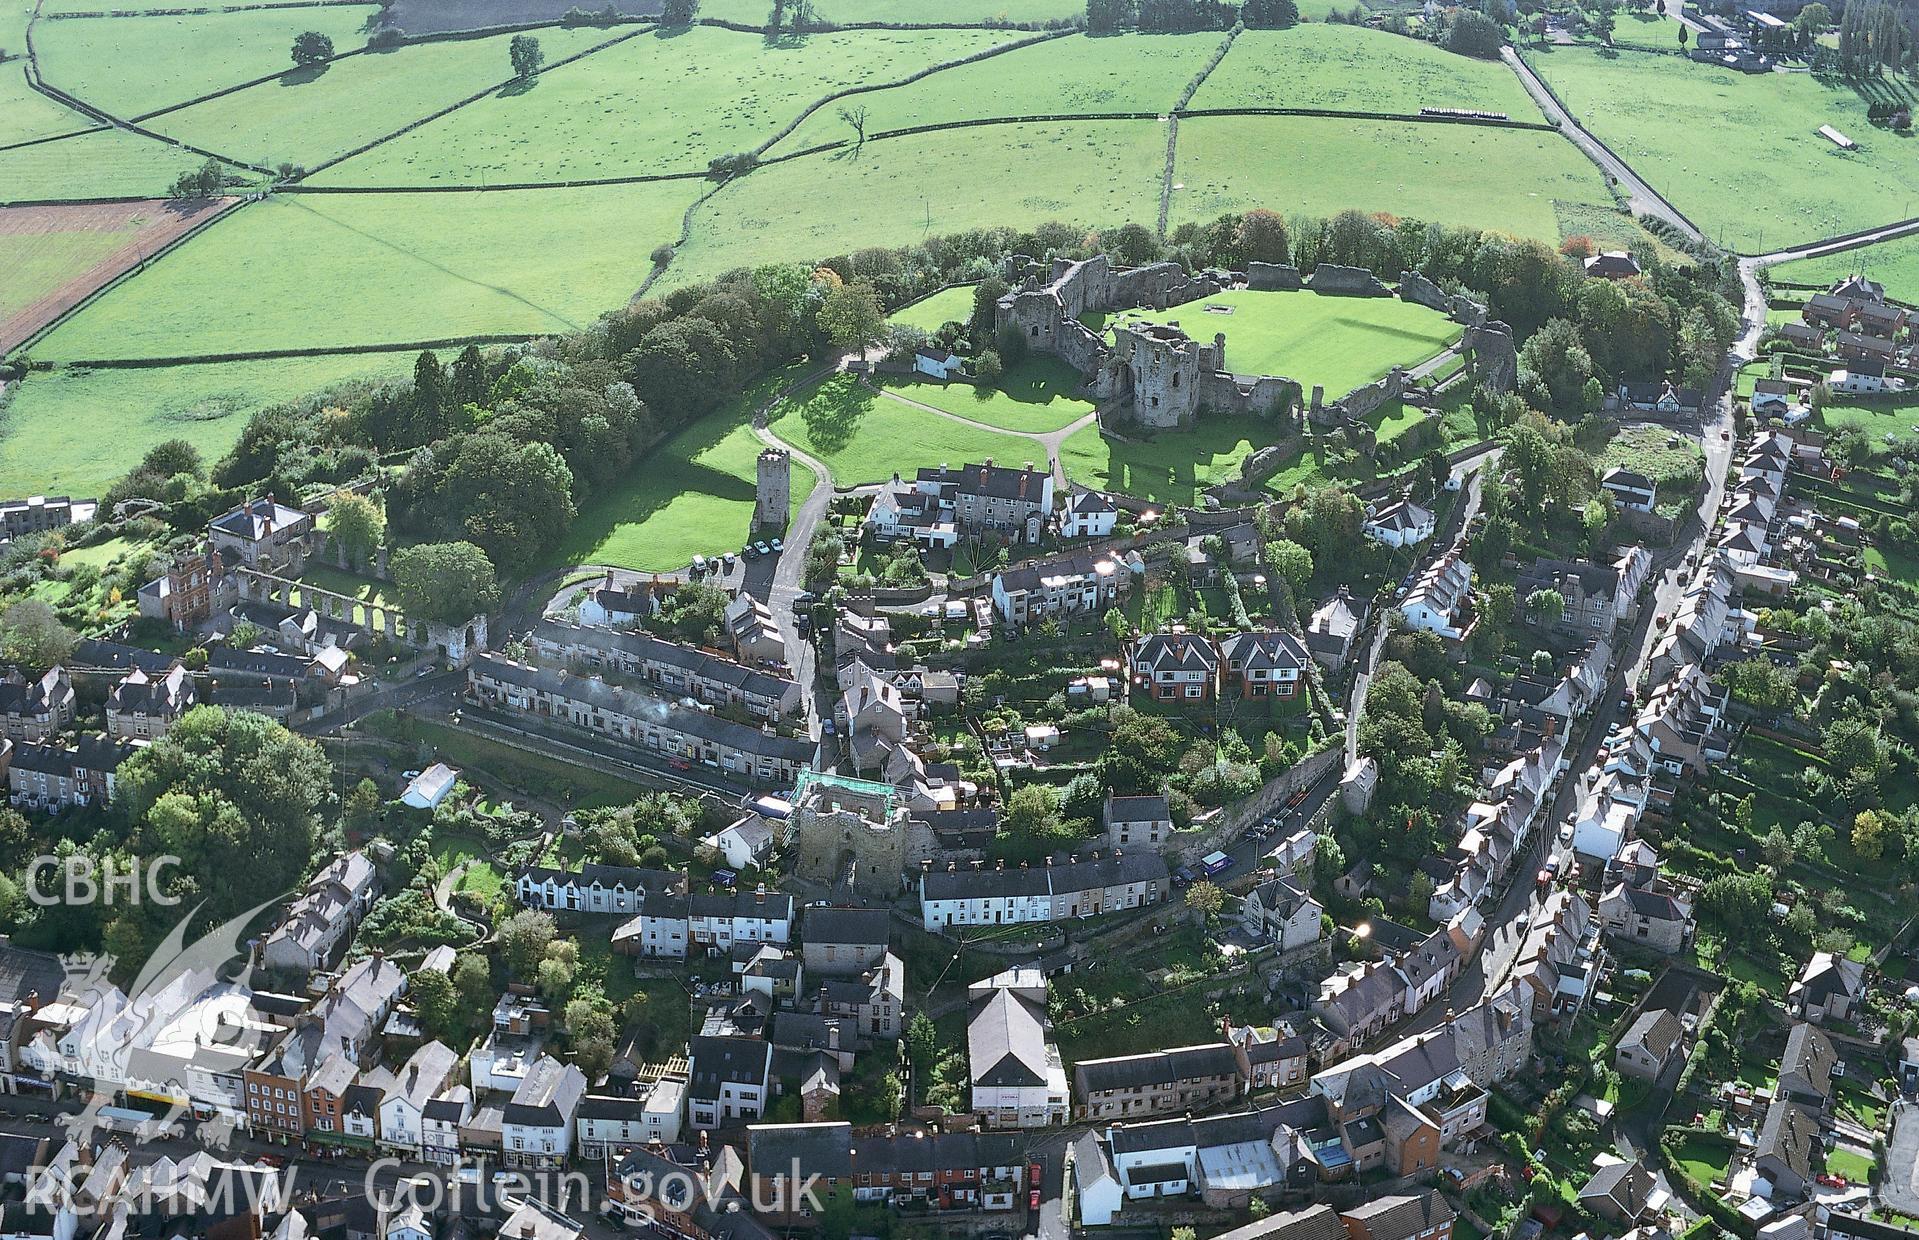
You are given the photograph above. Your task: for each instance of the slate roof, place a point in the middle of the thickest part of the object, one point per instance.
(725, 1060)
(1118, 869)
(1006, 1041)
(1162, 1067)
(846, 925)
(1401, 1217)
(1151, 808)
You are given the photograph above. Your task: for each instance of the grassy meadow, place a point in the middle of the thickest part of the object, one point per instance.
(313, 115)
(864, 436)
(1080, 74)
(1740, 154)
(394, 271)
(26, 114)
(665, 102)
(904, 189)
(109, 163)
(1354, 68)
(133, 65)
(929, 314)
(1894, 264)
(753, 12)
(1034, 397)
(1501, 179)
(1336, 342)
(74, 431)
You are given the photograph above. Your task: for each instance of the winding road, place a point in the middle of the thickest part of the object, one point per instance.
(1644, 198)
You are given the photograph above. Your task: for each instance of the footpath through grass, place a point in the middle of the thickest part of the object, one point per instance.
(865, 436)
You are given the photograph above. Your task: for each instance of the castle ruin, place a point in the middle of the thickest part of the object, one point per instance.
(773, 494)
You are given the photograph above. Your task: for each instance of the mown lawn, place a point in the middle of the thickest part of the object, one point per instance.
(1358, 69)
(1170, 468)
(661, 102)
(1079, 74)
(865, 436)
(1857, 1168)
(1704, 136)
(1337, 343)
(1704, 1158)
(1033, 397)
(692, 495)
(1501, 179)
(75, 431)
(133, 65)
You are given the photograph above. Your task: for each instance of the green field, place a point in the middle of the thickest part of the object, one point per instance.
(74, 431)
(1338, 343)
(133, 65)
(863, 436)
(310, 117)
(25, 113)
(1646, 29)
(110, 163)
(365, 589)
(666, 102)
(1170, 469)
(1500, 179)
(395, 269)
(1896, 415)
(929, 314)
(1127, 73)
(1034, 397)
(1710, 139)
(1894, 264)
(1353, 68)
(904, 189)
(692, 495)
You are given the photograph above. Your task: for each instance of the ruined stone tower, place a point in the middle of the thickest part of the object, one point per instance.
(773, 499)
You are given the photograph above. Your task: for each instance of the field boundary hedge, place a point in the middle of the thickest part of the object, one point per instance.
(456, 36)
(102, 290)
(1172, 123)
(1056, 118)
(1520, 55)
(36, 82)
(908, 80)
(686, 234)
(206, 11)
(270, 355)
(72, 133)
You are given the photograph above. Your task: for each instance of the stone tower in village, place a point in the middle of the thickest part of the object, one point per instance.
(774, 496)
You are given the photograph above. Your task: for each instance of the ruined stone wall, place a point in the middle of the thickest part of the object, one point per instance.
(834, 841)
(1459, 308)
(1355, 405)
(1347, 281)
(1265, 395)
(1078, 347)
(1491, 357)
(1273, 278)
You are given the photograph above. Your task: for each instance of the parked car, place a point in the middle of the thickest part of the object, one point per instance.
(760, 548)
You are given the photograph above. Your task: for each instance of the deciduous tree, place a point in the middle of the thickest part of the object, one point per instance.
(310, 48)
(526, 56)
(445, 582)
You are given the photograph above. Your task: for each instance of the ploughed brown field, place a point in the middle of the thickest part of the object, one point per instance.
(52, 257)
